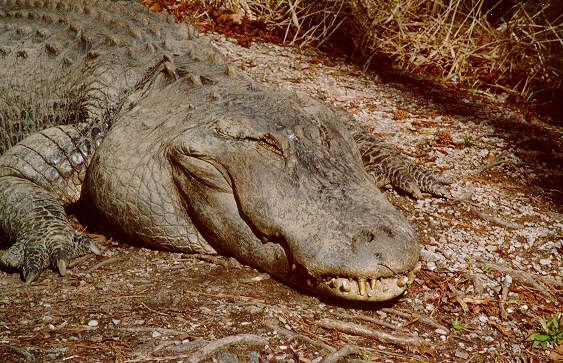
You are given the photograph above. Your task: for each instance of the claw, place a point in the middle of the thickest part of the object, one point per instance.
(417, 193)
(61, 266)
(13, 256)
(443, 192)
(414, 190)
(443, 179)
(85, 244)
(95, 249)
(31, 275)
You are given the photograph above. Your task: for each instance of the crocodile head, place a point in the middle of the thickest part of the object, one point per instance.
(286, 192)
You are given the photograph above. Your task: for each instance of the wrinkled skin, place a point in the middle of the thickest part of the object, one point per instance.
(285, 192)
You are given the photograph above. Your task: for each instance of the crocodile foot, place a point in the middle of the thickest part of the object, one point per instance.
(405, 175)
(31, 257)
(36, 223)
(387, 165)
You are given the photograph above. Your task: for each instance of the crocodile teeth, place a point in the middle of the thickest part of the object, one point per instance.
(293, 267)
(362, 286)
(333, 283)
(402, 281)
(411, 277)
(346, 286)
(414, 271)
(372, 283)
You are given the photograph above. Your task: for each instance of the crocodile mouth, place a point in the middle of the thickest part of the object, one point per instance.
(360, 288)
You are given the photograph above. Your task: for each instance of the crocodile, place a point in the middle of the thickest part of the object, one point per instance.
(144, 120)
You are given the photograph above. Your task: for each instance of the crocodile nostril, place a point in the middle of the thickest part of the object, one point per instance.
(363, 237)
(388, 231)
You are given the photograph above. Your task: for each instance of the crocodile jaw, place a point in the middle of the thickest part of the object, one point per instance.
(373, 289)
(361, 289)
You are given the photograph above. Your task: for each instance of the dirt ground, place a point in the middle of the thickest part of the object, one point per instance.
(492, 255)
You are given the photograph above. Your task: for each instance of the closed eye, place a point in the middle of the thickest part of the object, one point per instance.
(271, 144)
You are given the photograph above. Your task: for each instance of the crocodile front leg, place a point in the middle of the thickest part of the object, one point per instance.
(38, 178)
(388, 166)
(37, 222)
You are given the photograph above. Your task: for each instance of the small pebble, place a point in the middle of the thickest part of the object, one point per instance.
(461, 354)
(93, 323)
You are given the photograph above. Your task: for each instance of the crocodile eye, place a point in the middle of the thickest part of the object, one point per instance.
(270, 143)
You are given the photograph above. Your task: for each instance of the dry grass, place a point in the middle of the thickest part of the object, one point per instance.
(301, 23)
(519, 56)
(455, 41)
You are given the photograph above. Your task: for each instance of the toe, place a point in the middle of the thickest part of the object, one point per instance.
(31, 273)
(84, 244)
(61, 266)
(13, 256)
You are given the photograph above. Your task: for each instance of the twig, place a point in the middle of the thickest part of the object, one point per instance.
(478, 284)
(154, 311)
(458, 223)
(422, 319)
(551, 281)
(361, 330)
(504, 296)
(498, 160)
(370, 319)
(343, 352)
(102, 263)
(458, 297)
(272, 324)
(494, 219)
(78, 260)
(149, 329)
(225, 296)
(491, 183)
(209, 349)
(521, 276)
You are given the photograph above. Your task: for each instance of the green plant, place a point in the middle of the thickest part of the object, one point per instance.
(484, 268)
(457, 325)
(551, 332)
(364, 356)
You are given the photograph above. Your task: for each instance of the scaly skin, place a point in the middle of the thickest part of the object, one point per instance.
(387, 166)
(198, 158)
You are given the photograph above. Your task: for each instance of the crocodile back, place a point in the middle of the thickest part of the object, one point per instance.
(64, 62)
